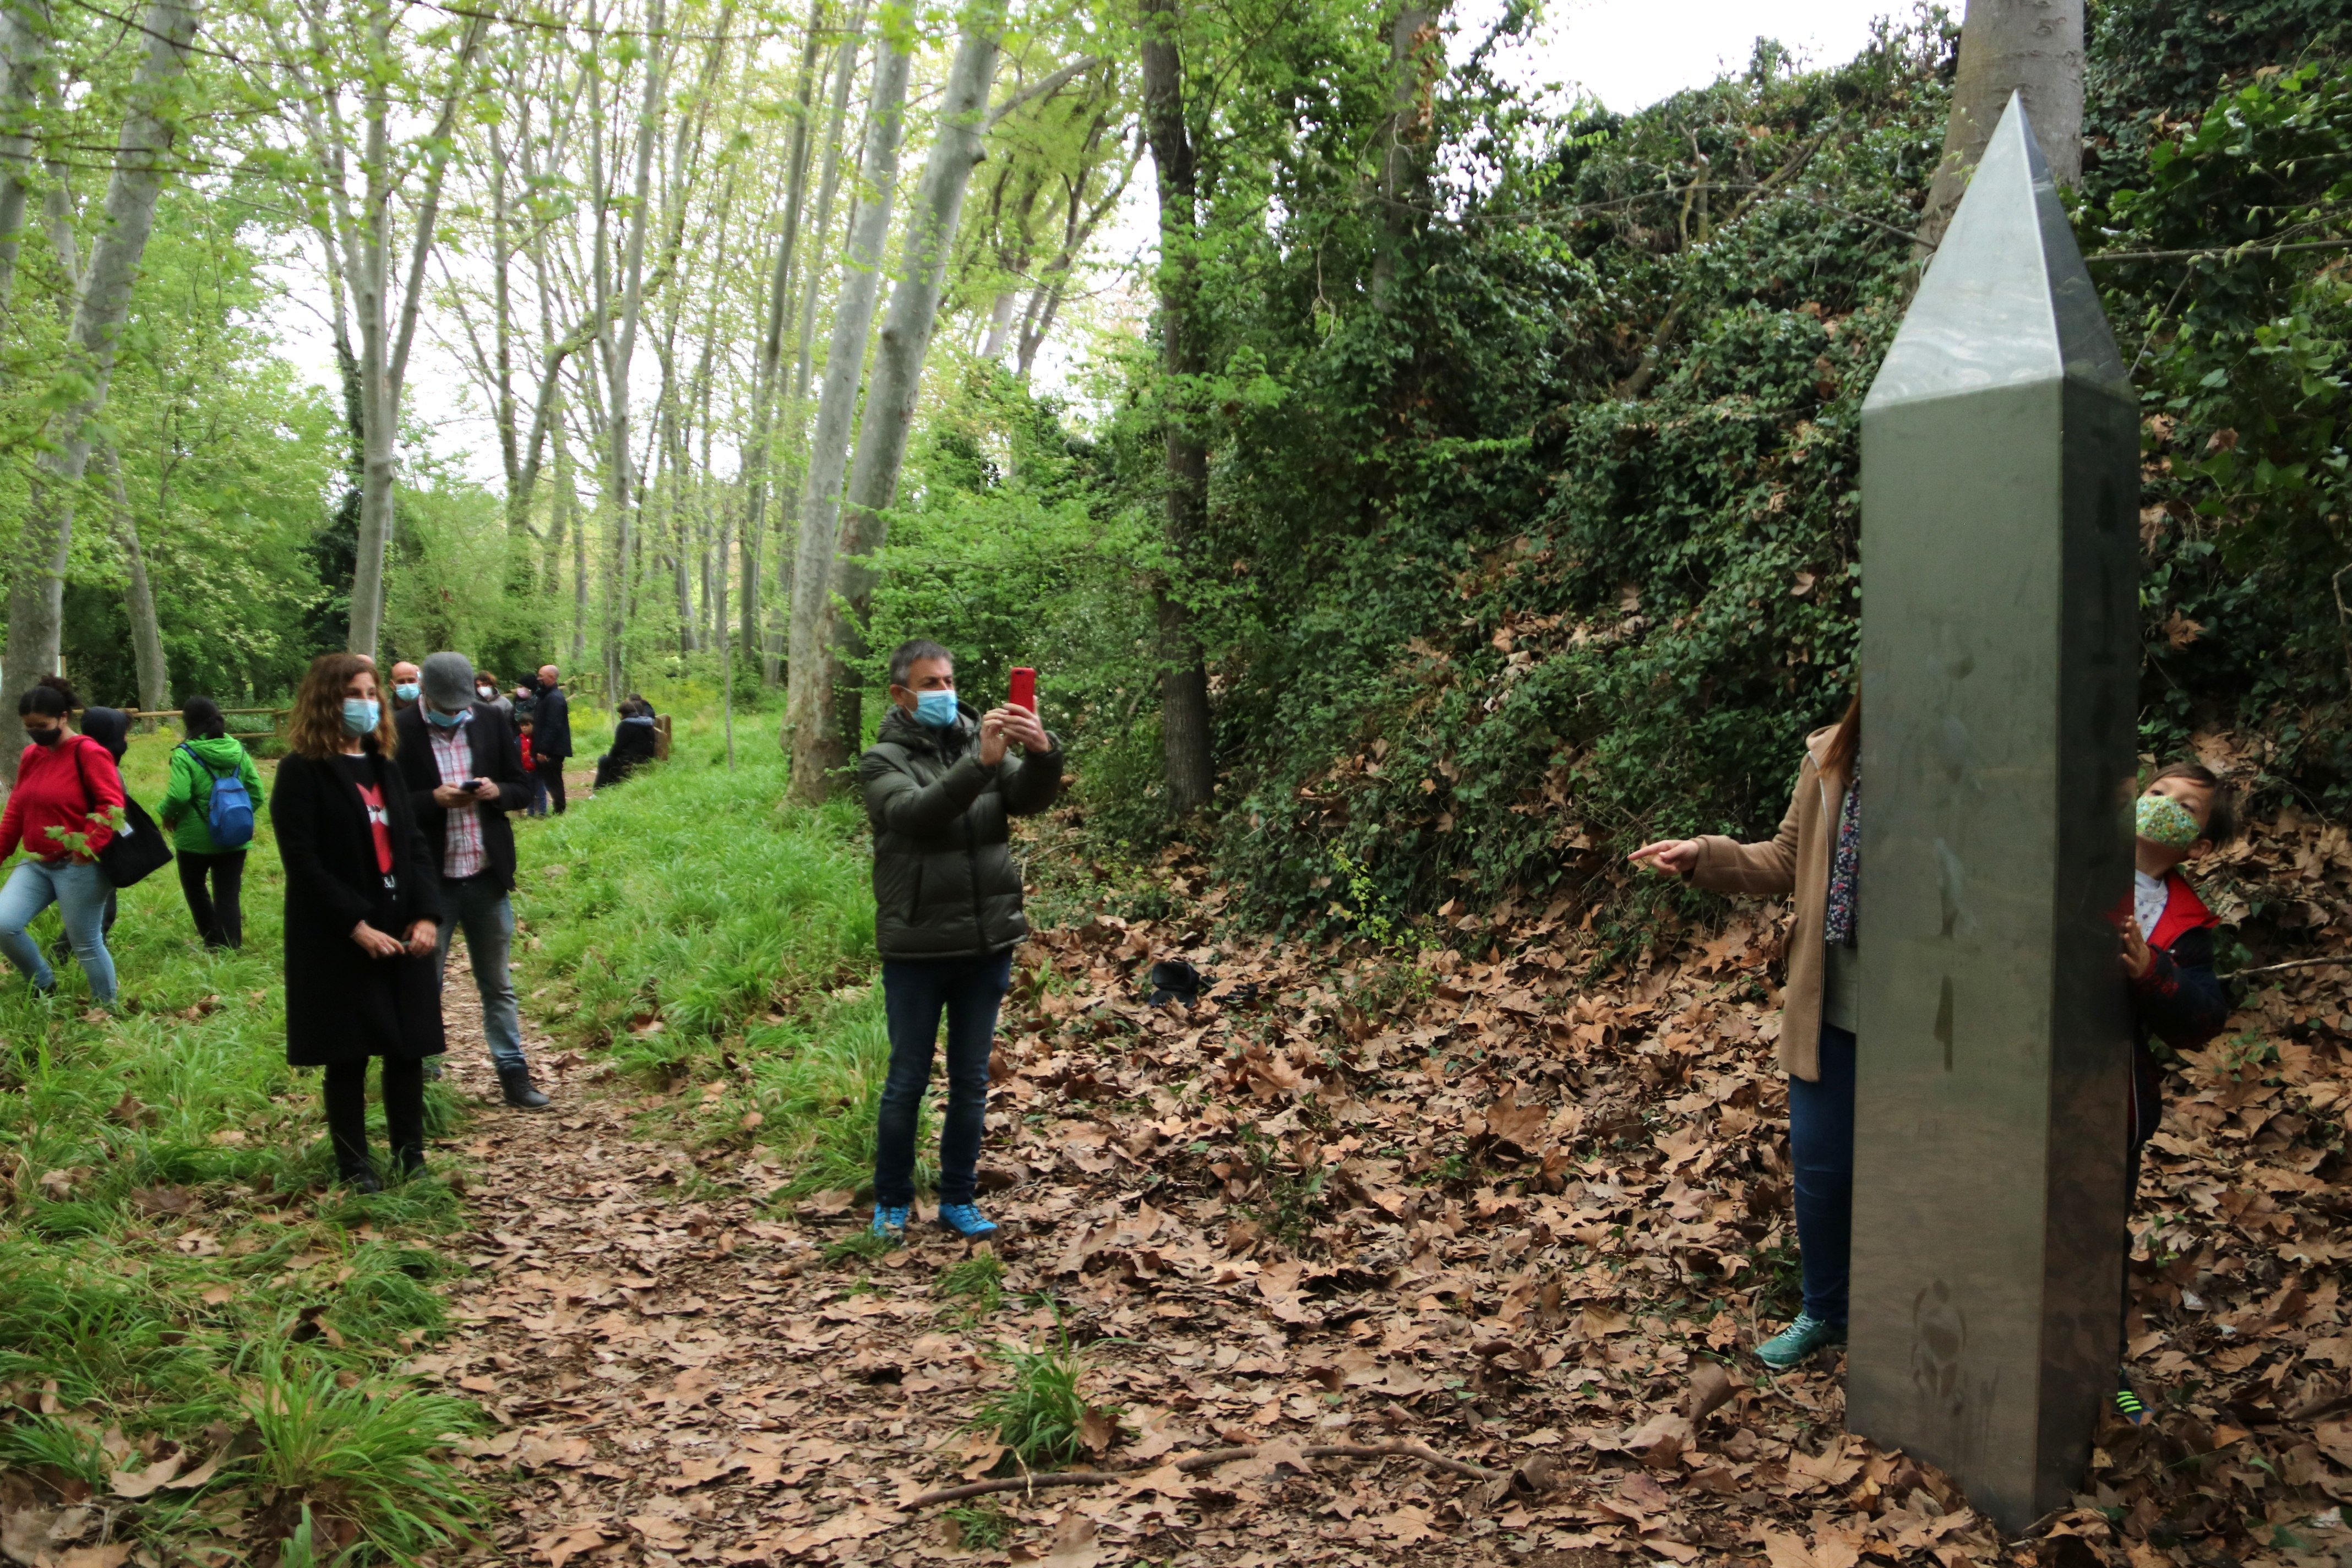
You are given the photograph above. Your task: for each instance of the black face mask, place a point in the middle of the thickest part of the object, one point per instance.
(49, 736)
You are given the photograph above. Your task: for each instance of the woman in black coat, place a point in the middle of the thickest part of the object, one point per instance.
(362, 907)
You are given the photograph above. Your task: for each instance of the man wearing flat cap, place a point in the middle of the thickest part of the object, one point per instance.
(464, 770)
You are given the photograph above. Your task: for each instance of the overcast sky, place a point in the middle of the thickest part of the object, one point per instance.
(1630, 53)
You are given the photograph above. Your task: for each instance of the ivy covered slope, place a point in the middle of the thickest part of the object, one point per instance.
(1554, 547)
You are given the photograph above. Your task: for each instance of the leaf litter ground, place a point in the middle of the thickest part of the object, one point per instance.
(1488, 1205)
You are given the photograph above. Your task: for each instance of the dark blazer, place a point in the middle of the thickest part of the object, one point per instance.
(341, 1005)
(498, 757)
(551, 724)
(945, 882)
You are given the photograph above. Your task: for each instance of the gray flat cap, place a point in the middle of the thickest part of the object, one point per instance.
(448, 681)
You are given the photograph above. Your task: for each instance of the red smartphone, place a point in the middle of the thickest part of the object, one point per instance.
(1024, 688)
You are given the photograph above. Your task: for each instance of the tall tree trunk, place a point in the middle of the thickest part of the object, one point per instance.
(383, 348)
(808, 694)
(621, 476)
(2030, 47)
(821, 746)
(845, 71)
(45, 539)
(1188, 769)
(24, 28)
(1415, 53)
(138, 595)
(759, 452)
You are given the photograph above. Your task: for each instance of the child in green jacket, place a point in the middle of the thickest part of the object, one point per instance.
(209, 755)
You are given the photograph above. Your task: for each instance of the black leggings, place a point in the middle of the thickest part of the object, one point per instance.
(219, 914)
(403, 1111)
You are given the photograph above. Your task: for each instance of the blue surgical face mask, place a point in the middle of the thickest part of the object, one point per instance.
(935, 709)
(446, 720)
(406, 690)
(360, 715)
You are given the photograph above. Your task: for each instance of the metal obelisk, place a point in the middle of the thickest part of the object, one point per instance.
(2000, 657)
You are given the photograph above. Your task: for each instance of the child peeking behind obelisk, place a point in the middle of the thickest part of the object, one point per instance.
(2168, 958)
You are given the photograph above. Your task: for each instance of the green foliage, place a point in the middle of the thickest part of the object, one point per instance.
(980, 1527)
(365, 1454)
(1039, 1415)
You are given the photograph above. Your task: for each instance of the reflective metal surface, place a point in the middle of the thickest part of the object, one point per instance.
(2000, 463)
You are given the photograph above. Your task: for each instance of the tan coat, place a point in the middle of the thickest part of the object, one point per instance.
(1796, 859)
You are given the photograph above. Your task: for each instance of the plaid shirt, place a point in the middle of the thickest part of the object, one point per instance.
(461, 849)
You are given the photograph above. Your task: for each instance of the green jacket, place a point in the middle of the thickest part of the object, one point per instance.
(188, 798)
(945, 882)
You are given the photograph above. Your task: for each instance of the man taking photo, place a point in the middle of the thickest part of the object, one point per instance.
(941, 789)
(463, 768)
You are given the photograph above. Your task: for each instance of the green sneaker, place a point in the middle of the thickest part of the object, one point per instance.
(2128, 1406)
(1798, 1341)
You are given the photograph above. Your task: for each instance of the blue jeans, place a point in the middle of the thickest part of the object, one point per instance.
(80, 889)
(914, 993)
(537, 807)
(476, 904)
(1821, 1147)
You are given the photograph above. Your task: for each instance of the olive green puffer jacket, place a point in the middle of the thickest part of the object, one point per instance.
(945, 882)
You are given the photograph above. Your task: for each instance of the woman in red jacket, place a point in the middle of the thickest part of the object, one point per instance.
(66, 803)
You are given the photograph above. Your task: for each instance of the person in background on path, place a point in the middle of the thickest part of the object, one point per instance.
(531, 768)
(485, 691)
(940, 793)
(404, 686)
(464, 773)
(64, 809)
(526, 697)
(111, 727)
(634, 743)
(2184, 815)
(551, 733)
(1816, 855)
(362, 915)
(209, 758)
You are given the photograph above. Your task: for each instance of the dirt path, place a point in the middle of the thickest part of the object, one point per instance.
(678, 1379)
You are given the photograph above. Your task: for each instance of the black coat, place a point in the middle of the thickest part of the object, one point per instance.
(945, 882)
(634, 746)
(551, 724)
(498, 757)
(342, 1005)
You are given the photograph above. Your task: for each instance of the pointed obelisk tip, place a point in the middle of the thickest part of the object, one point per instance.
(2006, 298)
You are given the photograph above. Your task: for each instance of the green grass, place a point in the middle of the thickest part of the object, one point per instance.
(1041, 1412)
(170, 1251)
(977, 1281)
(697, 928)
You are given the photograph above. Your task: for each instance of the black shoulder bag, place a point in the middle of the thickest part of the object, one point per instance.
(137, 846)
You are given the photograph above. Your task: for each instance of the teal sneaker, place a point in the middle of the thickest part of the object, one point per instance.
(2128, 1406)
(1798, 1341)
(966, 1221)
(890, 1220)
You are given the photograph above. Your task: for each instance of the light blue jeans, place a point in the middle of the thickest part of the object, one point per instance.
(476, 904)
(78, 888)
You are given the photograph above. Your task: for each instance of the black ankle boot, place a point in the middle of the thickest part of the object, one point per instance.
(411, 1160)
(361, 1178)
(519, 1093)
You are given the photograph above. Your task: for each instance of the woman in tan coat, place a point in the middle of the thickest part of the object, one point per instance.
(1815, 856)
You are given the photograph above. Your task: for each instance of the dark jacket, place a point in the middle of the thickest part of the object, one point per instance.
(110, 727)
(342, 1005)
(498, 757)
(551, 724)
(945, 882)
(2180, 1000)
(635, 744)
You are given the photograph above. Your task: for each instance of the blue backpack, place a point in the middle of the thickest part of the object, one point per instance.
(229, 819)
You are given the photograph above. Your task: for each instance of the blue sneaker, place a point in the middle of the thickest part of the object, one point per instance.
(966, 1221)
(890, 1220)
(1798, 1341)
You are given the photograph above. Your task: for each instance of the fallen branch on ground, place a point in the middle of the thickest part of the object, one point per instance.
(1208, 1461)
(2290, 963)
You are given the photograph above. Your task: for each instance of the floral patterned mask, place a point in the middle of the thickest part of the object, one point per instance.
(2164, 820)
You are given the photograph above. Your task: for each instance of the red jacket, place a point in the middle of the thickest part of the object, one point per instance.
(57, 789)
